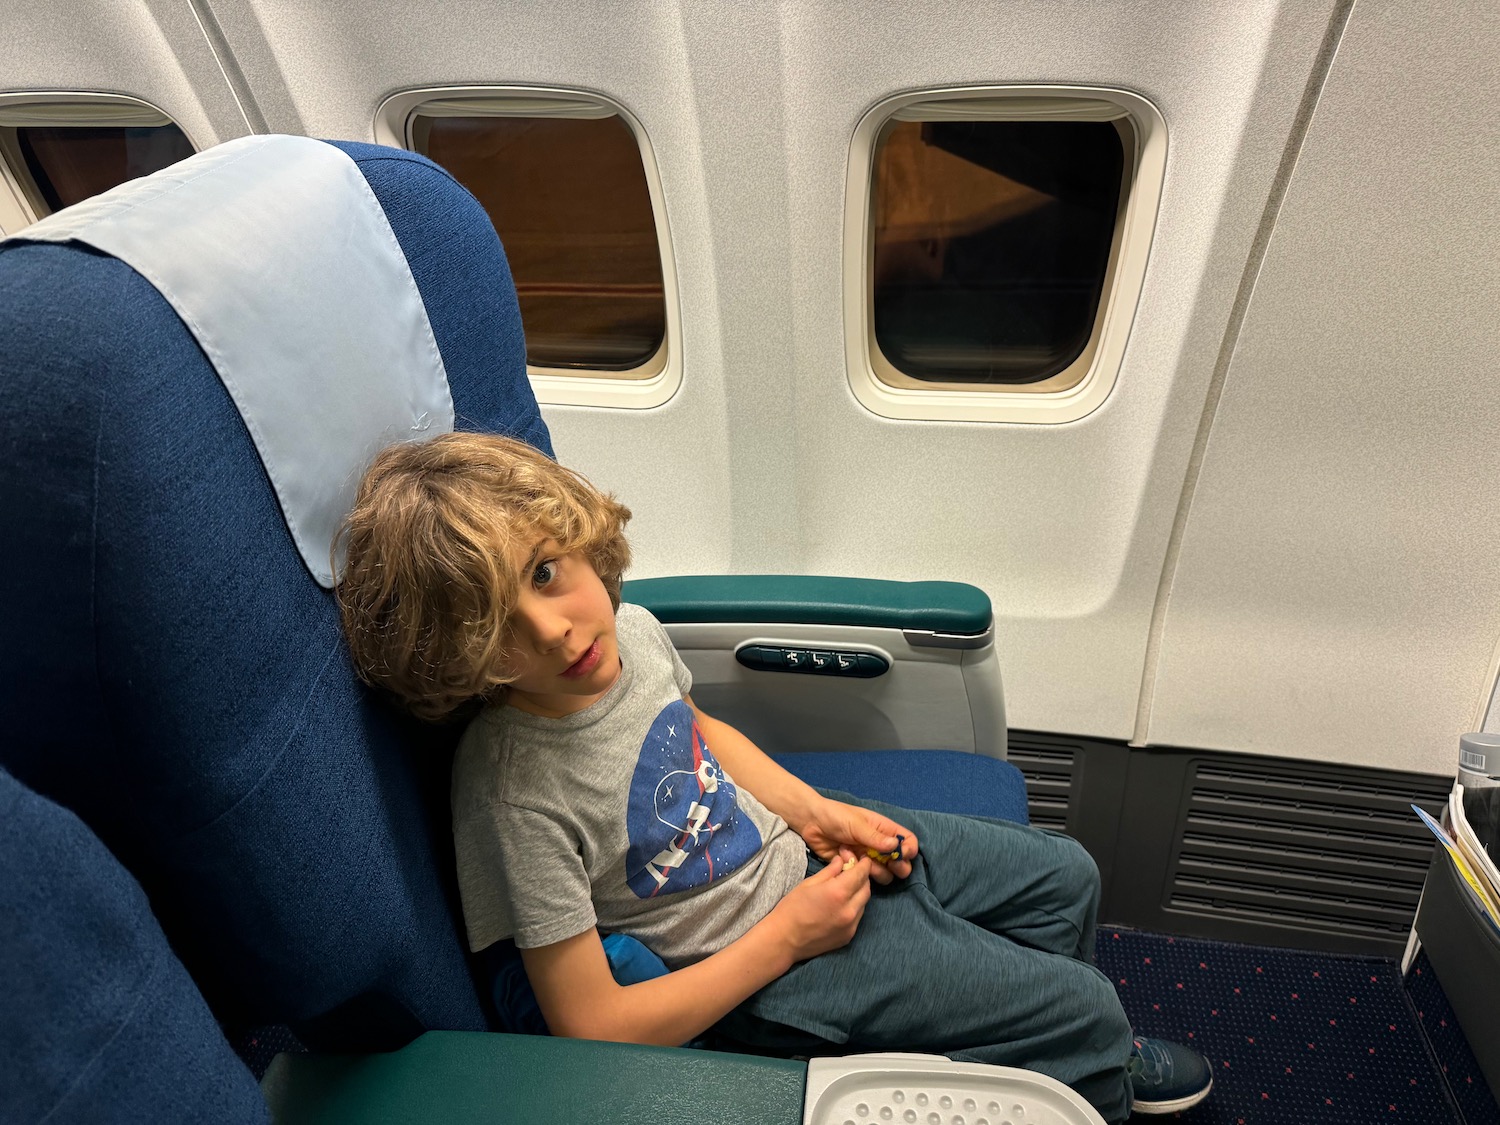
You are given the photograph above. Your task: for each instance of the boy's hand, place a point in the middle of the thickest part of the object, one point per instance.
(834, 825)
(823, 911)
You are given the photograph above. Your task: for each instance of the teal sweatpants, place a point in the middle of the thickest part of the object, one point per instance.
(983, 954)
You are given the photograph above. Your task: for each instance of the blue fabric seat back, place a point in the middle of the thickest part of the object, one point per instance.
(176, 677)
(102, 1021)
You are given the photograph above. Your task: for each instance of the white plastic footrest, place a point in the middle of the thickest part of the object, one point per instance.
(934, 1090)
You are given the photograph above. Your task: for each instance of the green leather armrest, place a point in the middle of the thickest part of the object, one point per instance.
(468, 1078)
(938, 607)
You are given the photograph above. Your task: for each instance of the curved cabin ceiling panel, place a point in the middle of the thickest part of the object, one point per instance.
(1338, 594)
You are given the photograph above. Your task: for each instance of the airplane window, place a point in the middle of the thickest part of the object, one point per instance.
(70, 163)
(992, 242)
(569, 198)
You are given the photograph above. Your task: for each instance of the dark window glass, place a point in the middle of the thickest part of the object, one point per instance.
(569, 199)
(70, 163)
(992, 240)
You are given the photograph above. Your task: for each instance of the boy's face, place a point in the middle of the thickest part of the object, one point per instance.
(562, 635)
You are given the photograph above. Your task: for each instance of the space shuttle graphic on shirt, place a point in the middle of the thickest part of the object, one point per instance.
(683, 822)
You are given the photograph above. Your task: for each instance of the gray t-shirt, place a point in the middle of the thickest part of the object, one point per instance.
(617, 816)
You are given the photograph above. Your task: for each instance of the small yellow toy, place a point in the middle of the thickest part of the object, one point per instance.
(890, 856)
(880, 857)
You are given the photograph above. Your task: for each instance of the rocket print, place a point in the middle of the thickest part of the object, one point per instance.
(684, 822)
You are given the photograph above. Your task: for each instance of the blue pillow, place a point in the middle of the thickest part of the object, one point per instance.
(630, 962)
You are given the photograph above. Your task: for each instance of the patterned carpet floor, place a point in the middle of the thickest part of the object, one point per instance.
(1296, 1038)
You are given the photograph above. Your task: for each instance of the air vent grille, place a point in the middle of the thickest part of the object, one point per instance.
(1049, 769)
(1276, 844)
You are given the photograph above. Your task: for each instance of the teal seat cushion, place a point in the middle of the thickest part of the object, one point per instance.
(466, 1078)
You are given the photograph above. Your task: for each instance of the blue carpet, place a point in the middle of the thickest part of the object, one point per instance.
(1297, 1037)
(1454, 1057)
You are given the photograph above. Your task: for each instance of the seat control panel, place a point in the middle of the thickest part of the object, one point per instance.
(812, 661)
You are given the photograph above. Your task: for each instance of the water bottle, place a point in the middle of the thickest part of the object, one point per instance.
(1479, 760)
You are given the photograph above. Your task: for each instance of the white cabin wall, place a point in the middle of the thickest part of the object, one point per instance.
(1338, 594)
(1065, 526)
(764, 461)
(153, 50)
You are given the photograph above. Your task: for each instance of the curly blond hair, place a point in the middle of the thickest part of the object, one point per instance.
(433, 546)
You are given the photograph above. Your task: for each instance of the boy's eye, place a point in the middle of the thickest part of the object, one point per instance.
(545, 572)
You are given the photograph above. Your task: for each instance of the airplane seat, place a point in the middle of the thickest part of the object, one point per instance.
(175, 674)
(183, 354)
(112, 1018)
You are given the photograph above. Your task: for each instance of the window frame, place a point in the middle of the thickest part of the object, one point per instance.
(21, 202)
(883, 389)
(651, 384)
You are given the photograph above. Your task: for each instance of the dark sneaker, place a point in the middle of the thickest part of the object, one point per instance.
(1166, 1077)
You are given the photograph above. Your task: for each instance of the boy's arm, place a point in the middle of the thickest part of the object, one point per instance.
(825, 824)
(786, 795)
(580, 998)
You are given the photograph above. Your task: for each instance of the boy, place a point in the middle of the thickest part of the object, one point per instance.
(591, 793)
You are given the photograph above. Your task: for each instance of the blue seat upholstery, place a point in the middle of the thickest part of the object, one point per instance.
(945, 780)
(113, 1027)
(176, 678)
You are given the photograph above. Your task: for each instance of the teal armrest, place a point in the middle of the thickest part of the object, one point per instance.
(938, 607)
(468, 1078)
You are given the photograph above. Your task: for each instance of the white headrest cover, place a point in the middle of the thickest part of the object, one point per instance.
(280, 261)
